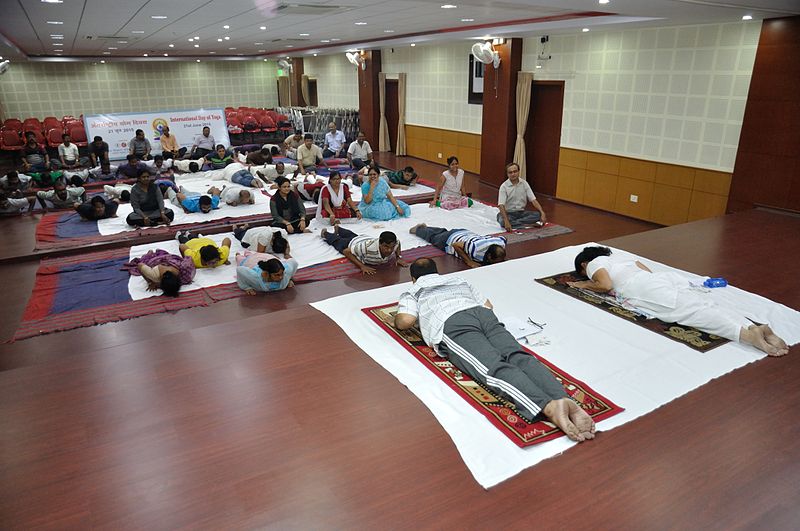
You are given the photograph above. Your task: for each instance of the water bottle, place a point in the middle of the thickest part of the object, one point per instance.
(715, 282)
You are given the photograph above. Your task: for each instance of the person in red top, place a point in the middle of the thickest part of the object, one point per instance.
(335, 202)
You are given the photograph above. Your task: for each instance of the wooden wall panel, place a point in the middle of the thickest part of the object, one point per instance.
(600, 190)
(670, 204)
(626, 187)
(571, 184)
(427, 143)
(666, 193)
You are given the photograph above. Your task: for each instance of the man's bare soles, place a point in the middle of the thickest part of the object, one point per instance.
(571, 419)
(763, 338)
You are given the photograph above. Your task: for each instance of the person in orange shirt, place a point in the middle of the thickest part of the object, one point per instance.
(170, 149)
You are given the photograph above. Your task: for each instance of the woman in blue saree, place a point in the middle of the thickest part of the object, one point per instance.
(377, 201)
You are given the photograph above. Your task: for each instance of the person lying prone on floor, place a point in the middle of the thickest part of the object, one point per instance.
(262, 272)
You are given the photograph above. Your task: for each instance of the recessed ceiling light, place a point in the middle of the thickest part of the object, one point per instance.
(198, 60)
(467, 20)
(52, 1)
(304, 34)
(747, 17)
(112, 48)
(137, 31)
(57, 44)
(449, 6)
(262, 27)
(585, 30)
(231, 48)
(239, 54)
(106, 53)
(158, 17)
(334, 39)
(102, 62)
(388, 31)
(56, 22)
(265, 60)
(226, 27)
(262, 51)
(212, 52)
(227, 38)
(315, 55)
(603, 1)
(361, 23)
(58, 54)
(122, 42)
(57, 35)
(144, 55)
(259, 43)
(166, 55)
(197, 46)
(290, 45)
(325, 40)
(197, 37)
(191, 39)
(172, 46)
(412, 44)
(59, 38)
(219, 40)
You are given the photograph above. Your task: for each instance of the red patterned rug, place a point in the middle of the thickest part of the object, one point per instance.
(501, 413)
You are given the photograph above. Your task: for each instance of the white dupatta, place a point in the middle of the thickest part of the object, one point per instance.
(336, 199)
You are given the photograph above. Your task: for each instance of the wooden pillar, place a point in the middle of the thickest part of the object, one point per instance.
(369, 110)
(499, 129)
(295, 78)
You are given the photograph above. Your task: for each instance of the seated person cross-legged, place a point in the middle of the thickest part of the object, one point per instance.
(359, 154)
(68, 154)
(669, 297)
(163, 270)
(271, 240)
(514, 195)
(261, 272)
(377, 201)
(459, 324)
(170, 149)
(148, 203)
(98, 208)
(335, 202)
(140, 146)
(286, 208)
(364, 251)
(309, 156)
(475, 250)
(204, 252)
(450, 192)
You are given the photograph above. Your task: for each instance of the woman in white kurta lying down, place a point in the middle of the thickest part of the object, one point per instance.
(669, 297)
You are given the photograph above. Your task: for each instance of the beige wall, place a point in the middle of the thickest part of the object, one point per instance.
(337, 80)
(58, 89)
(672, 94)
(437, 84)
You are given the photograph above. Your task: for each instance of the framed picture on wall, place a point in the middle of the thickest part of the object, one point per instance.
(475, 92)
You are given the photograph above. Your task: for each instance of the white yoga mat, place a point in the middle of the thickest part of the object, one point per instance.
(631, 366)
(309, 248)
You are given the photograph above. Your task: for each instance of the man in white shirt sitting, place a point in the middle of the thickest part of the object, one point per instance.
(334, 142)
(513, 197)
(69, 155)
(203, 144)
(458, 322)
(359, 154)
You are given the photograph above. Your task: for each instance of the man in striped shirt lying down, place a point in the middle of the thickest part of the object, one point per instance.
(365, 251)
(475, 250)
(458, 322)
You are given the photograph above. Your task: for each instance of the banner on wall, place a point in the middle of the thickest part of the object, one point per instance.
(118, 129)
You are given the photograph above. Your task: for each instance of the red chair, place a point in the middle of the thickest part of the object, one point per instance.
(31, 124)
(51, 122)
(267, 125)
(13, 124)
(40, 139)
(235, 126)
(283, 123)
(250, 124)
(54, 136)
(10, 140)
(78, 135)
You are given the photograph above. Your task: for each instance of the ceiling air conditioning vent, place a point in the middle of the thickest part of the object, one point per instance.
(310, 9)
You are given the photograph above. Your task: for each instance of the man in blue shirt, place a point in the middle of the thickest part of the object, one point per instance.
(475, 250)
(268, 275)
(194, 201)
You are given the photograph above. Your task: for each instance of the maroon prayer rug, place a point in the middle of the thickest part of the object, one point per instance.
(500, 412)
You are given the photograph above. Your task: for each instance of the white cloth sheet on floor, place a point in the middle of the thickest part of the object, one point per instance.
(633, 367)
(200, 182)
(309, 249)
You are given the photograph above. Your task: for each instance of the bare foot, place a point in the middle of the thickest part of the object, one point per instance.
(774, 340)
(581, 419)
(558, 412)
(413, 230)
(754, 335)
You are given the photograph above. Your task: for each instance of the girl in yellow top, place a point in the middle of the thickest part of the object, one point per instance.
(204, 252)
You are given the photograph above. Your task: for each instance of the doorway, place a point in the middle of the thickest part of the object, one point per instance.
(543, 136)
(392, 112)
(312, 93)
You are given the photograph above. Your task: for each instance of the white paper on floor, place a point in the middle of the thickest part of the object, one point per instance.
(633, 367)
(309, 248)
